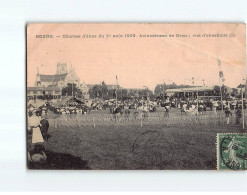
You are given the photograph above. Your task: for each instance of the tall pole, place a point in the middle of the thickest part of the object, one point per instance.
(53, 89)
(121, 94)
(221, 99)
(72, 91)
(116, 89)
(37, 80)
(245, 92)
(61, 90)
(220, 83)
(242, 96)
(197, 99)
(163, 92)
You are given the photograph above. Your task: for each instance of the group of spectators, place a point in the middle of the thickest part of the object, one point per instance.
(37, 135)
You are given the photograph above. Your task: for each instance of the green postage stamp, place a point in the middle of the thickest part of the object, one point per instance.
(232, 151)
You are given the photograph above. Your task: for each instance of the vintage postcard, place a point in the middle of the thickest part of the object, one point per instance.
(136, 96)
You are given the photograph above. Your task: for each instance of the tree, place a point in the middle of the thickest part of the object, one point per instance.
(95, 91)
(71, 90)
(161, 88)
(99, 91)
(104, 90)
(145, 93)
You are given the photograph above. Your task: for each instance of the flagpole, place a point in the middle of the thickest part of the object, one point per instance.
(72, 91)
(242, 96)
(245, 91)
(53, 89)
(116, 89)
(220, 83)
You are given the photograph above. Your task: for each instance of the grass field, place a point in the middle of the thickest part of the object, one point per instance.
(95, 141)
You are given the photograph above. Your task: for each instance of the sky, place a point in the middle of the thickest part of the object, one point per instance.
(140, 61)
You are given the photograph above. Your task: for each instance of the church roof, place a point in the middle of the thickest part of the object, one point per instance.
(52, 78)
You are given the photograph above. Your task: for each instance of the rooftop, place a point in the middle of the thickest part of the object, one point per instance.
(190, 89)
(52, 78)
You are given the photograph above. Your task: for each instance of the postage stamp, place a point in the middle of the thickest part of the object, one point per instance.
(232, 151)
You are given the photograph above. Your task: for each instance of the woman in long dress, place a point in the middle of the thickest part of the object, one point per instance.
(34, 124)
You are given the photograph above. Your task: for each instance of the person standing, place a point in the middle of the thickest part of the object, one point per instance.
(238, 115)
(167, 111)
(228, 113)
(34, 126)
(44, 127)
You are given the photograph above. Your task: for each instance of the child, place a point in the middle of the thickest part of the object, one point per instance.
(37, 155)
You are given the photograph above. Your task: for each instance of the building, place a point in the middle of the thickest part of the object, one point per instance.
(62, 77)
(191, 91)
(51, 85)
(202, 91)
(240, 88)
(43, 92)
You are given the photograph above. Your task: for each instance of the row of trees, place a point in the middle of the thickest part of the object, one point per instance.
(160, 88)
(102, 91)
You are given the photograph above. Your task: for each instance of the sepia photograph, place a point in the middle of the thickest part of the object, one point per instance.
(135, 96)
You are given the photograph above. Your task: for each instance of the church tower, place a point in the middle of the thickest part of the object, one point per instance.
(61, 68)
(37, 82)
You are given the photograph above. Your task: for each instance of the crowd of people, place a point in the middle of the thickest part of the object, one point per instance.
(37, 135)
(186, 105)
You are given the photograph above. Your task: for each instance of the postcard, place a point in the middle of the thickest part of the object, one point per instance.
(136, 96)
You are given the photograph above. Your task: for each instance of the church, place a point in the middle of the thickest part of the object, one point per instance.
(62, 77)
(53, 84)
